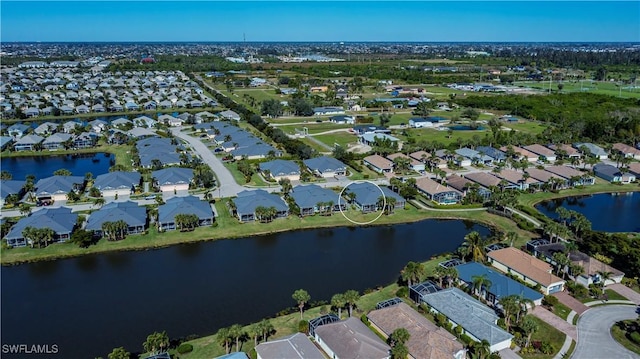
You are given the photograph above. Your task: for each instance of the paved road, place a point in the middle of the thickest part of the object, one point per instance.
(228, 187)
(594, 336)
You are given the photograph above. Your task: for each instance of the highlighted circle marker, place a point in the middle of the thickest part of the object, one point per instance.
(384, 203)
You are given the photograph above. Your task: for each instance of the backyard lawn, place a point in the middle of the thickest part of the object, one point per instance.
(341, 138)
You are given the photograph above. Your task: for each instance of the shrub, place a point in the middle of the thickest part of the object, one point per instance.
(184, 348)
(546, 348)
(365, 176)
(402, 292)
(364, 319)
(303, 326)
(549, 300)
(635, 337)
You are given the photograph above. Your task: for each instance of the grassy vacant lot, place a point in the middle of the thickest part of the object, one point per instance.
(433, 135)
(314, 127)
(260, 94)
(341, 138)
(601, 87)
(620, 336)
(533, 128)
(256, 179)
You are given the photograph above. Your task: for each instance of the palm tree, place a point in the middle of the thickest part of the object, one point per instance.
(236, 333)
(260, 213)
(390, 205)
(24, 209)
(412, 272)
(338, 301)
(563, 214)
(224, 339)
(351, 297)
(266, 328)
(301, 296)
(509, 306)
(480, 283)
(480, 350)
(474, 246)
(604, 277)
(528, 326)
(452, 276)
(440, 273)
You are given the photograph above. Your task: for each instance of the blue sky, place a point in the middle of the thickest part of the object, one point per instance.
(320, 21)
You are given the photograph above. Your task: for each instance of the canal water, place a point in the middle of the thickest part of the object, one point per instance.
(608, 212)
(44, 166)
(89, 305)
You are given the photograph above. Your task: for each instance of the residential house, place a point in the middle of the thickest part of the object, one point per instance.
(530, 269)
(420, 122)
(172, 179)
(515, 178)
(85, 140)
(370, 139)
(521, 153)
(144, 121)
(591, 149)
(60, 220)
(56, 188)
(130, 212)
(426, 340)
(45, 128)
(17, 130)
(28, 143)
(312, 199)
(495, 154)
(350, 339)
(472, 157)
(544, 153)
(378, 163)
(160, 149)
(367, 196)
(413, 164)
(478, 321)
(280, 169)
(121, 122)
(575, 177)
(11, 188)
(439, 193)
(98, 126)
(612, 174)
(464, 186)
(343, 119)
(565, 151)
(183, 205)
(501, 285)
(486, 179)
(543, 176)
(57, 141)
(295, 346)
(328, 110)
(5, 141)
(421, 156)
(229, 115)
(366, 129)
(117, 183)
(634, 168)
(626, 150)
(594, 269)
(70, 126)
(248, 200)
(256, 150)
(326, 167)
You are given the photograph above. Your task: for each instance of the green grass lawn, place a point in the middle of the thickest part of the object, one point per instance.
(600, 87)
(533, 128)
(314, 127)
(545, 333)
(260, 94)
(620, 336)
(256, 179)
(433, 135)
(613, 295)
(561, 310)
(341, 138)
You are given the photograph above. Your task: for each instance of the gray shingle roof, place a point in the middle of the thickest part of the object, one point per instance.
(350, 338)
(61, 220)
(8, 187)
(280, 167)
(291, 347)
(368, 194)
(57, 184)
(324, 164)
(247, 201)
(309, 196)
(127, 211)
(473, 316)
(115, 180)
(184, 205)
(173, 175)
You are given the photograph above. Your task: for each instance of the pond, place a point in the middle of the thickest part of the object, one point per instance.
(608, 212)
(44, 166)
(89, 305)
(465, 128)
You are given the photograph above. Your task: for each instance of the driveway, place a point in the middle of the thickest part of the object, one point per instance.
(571, 302)
(228, 187)
(626, 292)
(555, 321)
(594, 337)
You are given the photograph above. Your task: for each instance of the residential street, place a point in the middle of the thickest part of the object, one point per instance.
(594, 337)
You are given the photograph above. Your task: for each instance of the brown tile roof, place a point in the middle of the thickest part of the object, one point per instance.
(350, 338)
(525, 264)
(430, 186)
(540, 150)
(626, 149)
(513, 176)
(458, 182)
(484, 179)
(567, 148)
(591, 265)
(419, 154)
(563, 171)
(426, 340)
(393, 156)
(522, 152)
(379, 161)
(541, 175)
(634, 167)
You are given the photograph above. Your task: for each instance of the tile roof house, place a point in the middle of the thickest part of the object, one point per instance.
(437, 192)
(572, 175)
(544, 153)
(413, 164)
(477, 320)
(593, 268)
(530, 269)
(521, 153)
(350, 339)
(484, 179)
(313, 198)
(183, 205)
(368, 194)
(591, 149)
(248, 200)
(28, 143)
(612, 173)
(570, 151)
(378, 163)
(542, 175)
(464, 185)
(10, 187)
(295, 346)
(634, 168)
(326, 167)
(501, 285)
(135, 216)
(117, 183)
(172, 179)
(515, 178)
(626, 150)
(56, 188)
(280, 169)
(426, 340)
(61, 220)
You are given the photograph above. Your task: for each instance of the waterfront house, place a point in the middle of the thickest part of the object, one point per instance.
(56, 188)
(420, 122)
(98, 126)
(313, 198)
(28, 143)
(57, 141)
(248, 200)
(612, 174)
(465, 185)
(378, 163)
(144, 121)
(17, 130)
(60, 220)
(501, 285)
(11, 188)
(172, 179)
(529, 269)
(85, 140)
(478, 321)
(572, 175)
(121, 122)
(367, 196)
(326, 167)
(117, 183)
(130, 212)
(591, 149)
(544, 153)
(295, 346)
(183, 205)
(626, 150)
(634, 168)
(543, 176)
(280, 169)
(350, 339)
(515, 178)
(439, 193)
(45, 128)
(426, 340)
(343, 119)
(70, 126)
(485, 179)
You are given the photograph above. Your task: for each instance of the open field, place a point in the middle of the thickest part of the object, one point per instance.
(533, 128)
(599, 87)
(341, 138)
(426, 134)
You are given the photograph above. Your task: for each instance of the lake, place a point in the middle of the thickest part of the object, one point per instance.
(91, 304)
(44, 166)
(608, 212)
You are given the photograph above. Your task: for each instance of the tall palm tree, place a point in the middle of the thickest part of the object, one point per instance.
(529, 326)
(474, 246)
(338, 301)
(351, 297)
(301, 296)
(412, 272)
(480, 283)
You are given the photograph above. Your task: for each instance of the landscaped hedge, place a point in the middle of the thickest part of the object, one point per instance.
(184, 348)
